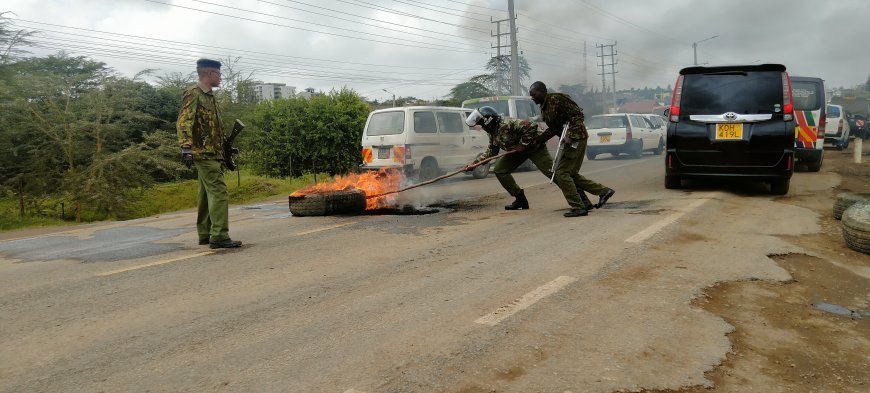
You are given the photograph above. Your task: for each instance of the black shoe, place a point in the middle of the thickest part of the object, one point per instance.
(228, 243)
(577, 212)
(585, 200)
(603, 198)
(520, 203)
(203, 242)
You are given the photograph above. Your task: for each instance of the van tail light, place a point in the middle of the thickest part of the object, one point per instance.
(627, 128)
(408, 152)
(670, 161)
(789, 160)
(821, 127)
(367, 154)
(840, 127)
(787, 104)
(675, 100)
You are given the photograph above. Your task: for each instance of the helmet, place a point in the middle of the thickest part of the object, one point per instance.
(484, 116)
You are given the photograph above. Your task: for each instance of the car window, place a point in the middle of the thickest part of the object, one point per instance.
(450, 122)
(424, 122)
(807, 96)
(525, 109)
(650, 123)
(596, 122)
(637, 121)
(500, 106)
(833, 111)
(386, 123)
(739, 92)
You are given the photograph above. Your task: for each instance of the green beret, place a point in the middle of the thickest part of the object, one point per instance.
(208, 63)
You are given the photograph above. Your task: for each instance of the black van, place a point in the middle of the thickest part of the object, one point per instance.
(732, 121)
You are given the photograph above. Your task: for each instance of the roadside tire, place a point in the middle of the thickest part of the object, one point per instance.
(590, 155)
(658, 150)
(856, 227)
(779, 187)
(846, 200)
(428, 170)
(481, 171)
(673, 182)
(637, 150)
(337, 202)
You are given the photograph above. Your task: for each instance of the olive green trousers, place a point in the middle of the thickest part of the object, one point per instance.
(212, 218)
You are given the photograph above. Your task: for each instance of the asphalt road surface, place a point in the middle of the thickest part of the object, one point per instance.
(472, 298)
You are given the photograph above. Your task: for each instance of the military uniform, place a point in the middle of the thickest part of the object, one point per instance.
(510, 135)
(200, 130)
(556, 110)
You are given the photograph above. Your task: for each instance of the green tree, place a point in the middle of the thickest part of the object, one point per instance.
(467, 90)
(293, 136)
(498, 76)
(12, 39)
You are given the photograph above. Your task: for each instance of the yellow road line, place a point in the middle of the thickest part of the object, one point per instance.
(181, 258)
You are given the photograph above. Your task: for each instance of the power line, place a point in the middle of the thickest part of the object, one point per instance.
(397, 12)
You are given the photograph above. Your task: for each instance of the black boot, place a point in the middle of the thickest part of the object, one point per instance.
(602, 199)
(577, 212)
(585, 200)
(520, 203)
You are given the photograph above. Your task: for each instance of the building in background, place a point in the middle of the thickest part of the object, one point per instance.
(308, 93)
(271, 91)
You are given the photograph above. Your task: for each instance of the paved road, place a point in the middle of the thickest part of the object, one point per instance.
(471, 299)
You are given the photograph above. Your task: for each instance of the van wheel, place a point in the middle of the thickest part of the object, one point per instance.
(658, 150)
(779, 187)
(428, 170)
(846, 200)
(590, 155)
(673, 182)
(856, 227)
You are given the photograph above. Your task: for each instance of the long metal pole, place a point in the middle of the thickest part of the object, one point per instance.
(515, 74)
(695, 49)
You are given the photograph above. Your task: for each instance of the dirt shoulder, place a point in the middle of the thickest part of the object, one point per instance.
(782, 341)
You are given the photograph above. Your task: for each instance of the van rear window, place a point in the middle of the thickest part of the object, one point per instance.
(743, 93)
(833, 111)
(597, 122)
(386, 123)
(807, 95)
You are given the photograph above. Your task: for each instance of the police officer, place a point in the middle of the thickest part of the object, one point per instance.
(558, 109)
(201, 138)
(520, 136)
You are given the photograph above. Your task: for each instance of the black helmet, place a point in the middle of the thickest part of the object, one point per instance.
(484, 116)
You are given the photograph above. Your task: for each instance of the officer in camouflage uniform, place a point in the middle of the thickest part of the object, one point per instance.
(520, 136)
(556, 110)
(201, 138)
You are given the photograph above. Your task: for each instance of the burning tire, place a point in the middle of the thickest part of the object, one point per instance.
(856, 227)
(334, 202)
(845, 200)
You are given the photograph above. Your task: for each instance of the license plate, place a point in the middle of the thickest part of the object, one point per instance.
(383, 153)
(604, 138)
(729, 131)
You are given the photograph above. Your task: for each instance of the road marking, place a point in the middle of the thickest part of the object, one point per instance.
(651, 230)
(181, 258)
(524, 302)
(323, 229)
(353, 391)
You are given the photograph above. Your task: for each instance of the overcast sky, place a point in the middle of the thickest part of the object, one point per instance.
(422, 48)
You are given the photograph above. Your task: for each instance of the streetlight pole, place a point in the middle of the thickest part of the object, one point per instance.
(394, 97)
(695, 46)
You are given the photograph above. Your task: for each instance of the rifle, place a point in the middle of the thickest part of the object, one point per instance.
(559, 151)
(229, 149)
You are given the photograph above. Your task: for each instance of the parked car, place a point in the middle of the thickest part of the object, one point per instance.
(732, 121)
(836, 127)
(422, 141)
(809, 113)
(623, 133)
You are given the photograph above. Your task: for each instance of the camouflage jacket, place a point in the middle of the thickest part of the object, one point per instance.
(199, 124)
(512, 133)
(559, 109)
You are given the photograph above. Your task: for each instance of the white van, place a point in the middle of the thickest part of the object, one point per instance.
(514, 107)
(422, 141)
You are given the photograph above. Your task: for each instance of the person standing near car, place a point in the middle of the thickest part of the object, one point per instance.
(201, 137)
(558, 109)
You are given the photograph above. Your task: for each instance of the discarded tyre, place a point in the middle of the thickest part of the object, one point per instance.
(335, 202)
(847, 199)
(856, 227)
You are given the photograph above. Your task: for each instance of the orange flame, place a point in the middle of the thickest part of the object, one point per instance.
(372, 183)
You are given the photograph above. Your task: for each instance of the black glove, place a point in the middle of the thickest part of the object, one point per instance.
(187, 157)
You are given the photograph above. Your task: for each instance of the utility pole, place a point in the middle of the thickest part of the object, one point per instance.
(604, 73)
(394, 97)
(515, 74)
(498, 46)
(695, 47)
(585, 67)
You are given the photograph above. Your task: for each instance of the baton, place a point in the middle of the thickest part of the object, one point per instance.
(559, 151)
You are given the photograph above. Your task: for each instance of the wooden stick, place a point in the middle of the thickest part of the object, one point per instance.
(441, 177)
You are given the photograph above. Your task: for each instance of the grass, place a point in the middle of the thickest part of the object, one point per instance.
(167, 197)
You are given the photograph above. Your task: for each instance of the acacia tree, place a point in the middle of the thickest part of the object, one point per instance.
(496, 81)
